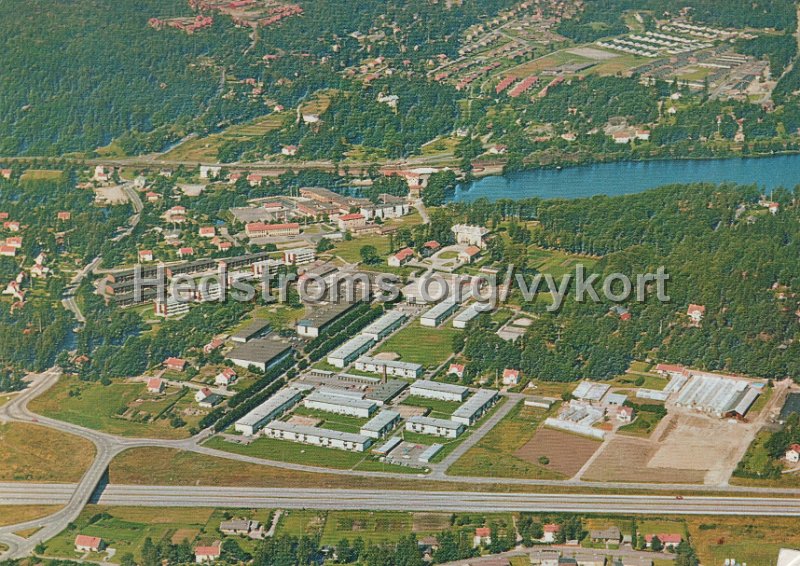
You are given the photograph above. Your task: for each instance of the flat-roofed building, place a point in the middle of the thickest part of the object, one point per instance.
(384, 391)
(256, 329)
(318, 318)
(475, 407)
(385, 325)
(268, 411)
(440, 391)
(381, 424)
(438, 314)
(318, 436)
(340, 405)
(262, 354)
(389, 367)
(350, 351)
(471, 312)
(436, 427)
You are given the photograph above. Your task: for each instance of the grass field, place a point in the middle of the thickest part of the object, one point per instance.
(13, 514)
(114, 408)
(421, 344)
(286, 451)
(494, 455)
(439, 409)
(643, 424)
(39, 454)
(125, 528)
(41, 175)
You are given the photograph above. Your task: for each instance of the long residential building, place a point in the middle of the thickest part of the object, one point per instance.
(350, 351)
(318, 436)
(381, 424)
(318, 318)
(268, 411)
(475, 407)
(385, 325)
(440, 391)
(340, 405)
(464, 317)
(438, 314)
(389, 367)
(263, 353)
(436, 427)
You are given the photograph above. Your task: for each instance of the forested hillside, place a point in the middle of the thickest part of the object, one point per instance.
(721, 251)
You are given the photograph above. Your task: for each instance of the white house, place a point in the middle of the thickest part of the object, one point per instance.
(204, 554)
(470, 235)
(225, 377)
(84, 543)
(510, 377)
(155, 385)
(793, 454)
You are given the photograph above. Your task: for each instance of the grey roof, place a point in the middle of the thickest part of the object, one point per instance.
(441, 309)
(386, 321)
(253, 329)
(471, 312)
(351, 346)
(320, 432)
(340, 401)
(380, 421)
(259, 351)
(389, 445)
(439, 423)
(439, 387)
(430, 452)
(268, 407)
(320, 316)
(475, 404)
(390, 363)
(385, 392)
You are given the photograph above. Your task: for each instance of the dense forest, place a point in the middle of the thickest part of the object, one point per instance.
(721, 250)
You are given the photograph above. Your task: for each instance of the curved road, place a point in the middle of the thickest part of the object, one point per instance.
(75, 497)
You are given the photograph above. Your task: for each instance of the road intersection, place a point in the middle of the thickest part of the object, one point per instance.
(73, 497)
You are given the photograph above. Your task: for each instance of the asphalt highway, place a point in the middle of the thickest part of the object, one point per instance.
(378, 499)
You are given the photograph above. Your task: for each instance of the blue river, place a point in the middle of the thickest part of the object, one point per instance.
(632, 177)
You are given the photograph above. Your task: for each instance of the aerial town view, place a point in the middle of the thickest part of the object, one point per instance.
(461, 282)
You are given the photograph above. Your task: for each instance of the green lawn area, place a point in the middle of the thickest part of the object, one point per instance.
(333, 421)
(371, 526)
(644, 423)
(41, 175)
(123, 408)
(36, 453)
(645, 381)
(296, 453)
(421, 344)
(758, 461)
(558, 263)
(299, 522)
(350, 250)
(439, 409)
(494, 455)
(280, 317)
(125, 528)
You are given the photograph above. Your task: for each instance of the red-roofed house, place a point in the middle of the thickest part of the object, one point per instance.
(254, 179)
(146, 255)
(3, 215)
(470, 254)
(155, 385)
(550, 531)
(207, 232)
(84, 543)
(185, 252)
(152, 197)
(401, 258)
(5, 173)
(457, 370)
(510, 376)
(222, 246)
(669, 369)
(624, 414)
(696, 313)
(225, 377)
(259, 229)
(211, 346)
(667, 539)
(793, 454)
(64, 215)
(175, 364)
(14, 242)
(206, 554)
(430, 248)
(483, 536)
(352, 221)
(202, 394)
(7, 251)
(289, 150)
(11, 226)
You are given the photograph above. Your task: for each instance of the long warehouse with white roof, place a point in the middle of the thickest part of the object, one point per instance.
(340, 405)
(317, 436)
(267, 411)
(440, 391)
